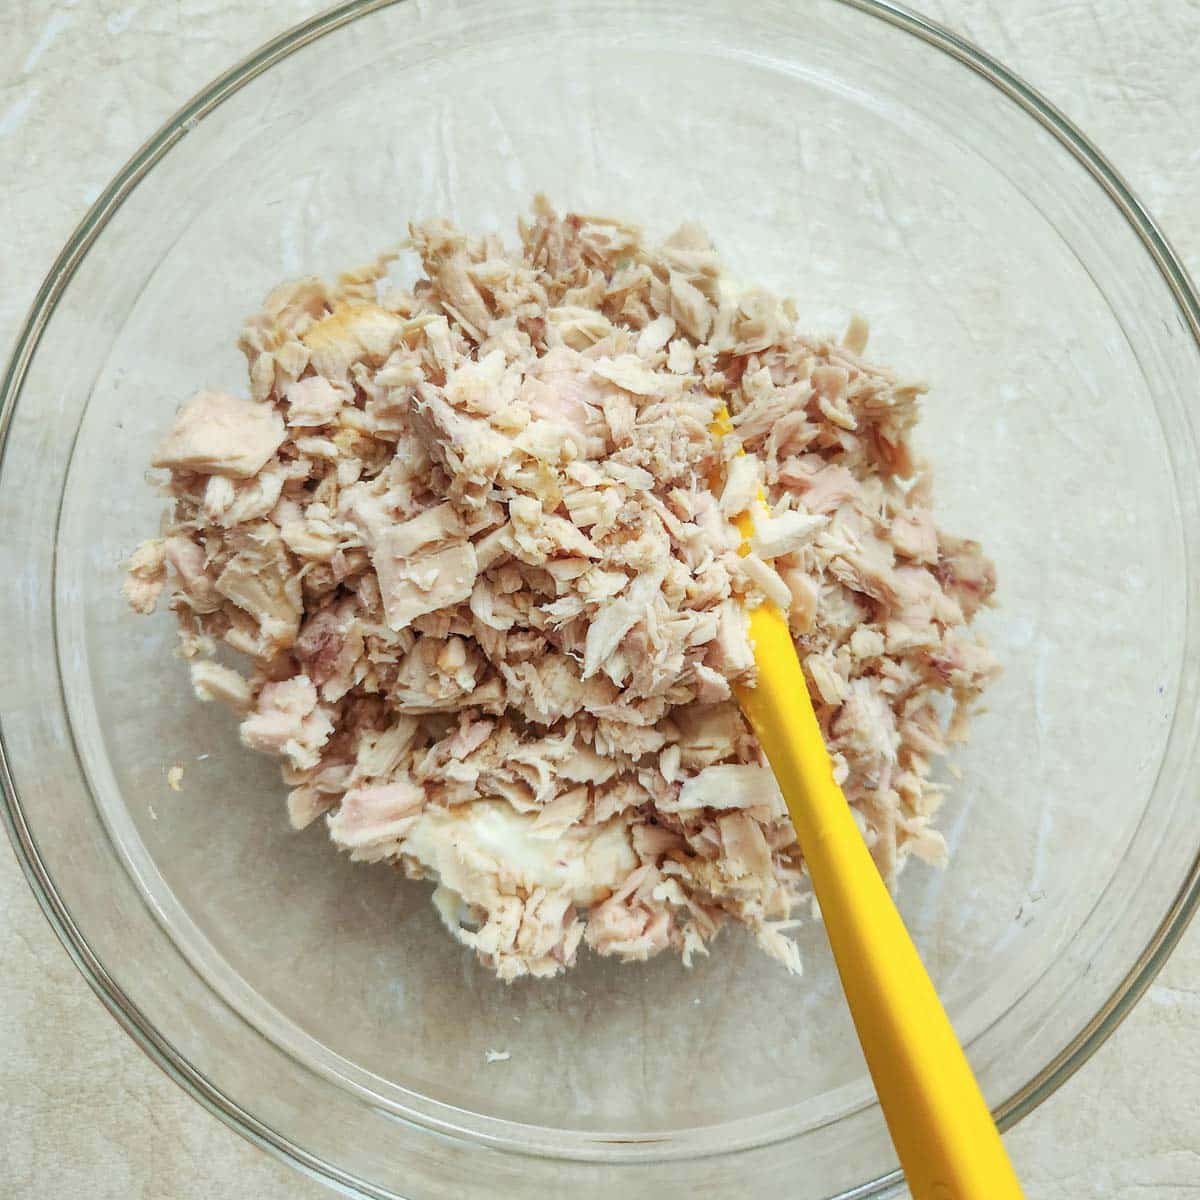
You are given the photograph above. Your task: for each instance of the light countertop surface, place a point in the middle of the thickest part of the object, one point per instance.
(82, 84)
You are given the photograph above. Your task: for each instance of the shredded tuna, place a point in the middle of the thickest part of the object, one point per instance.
(218, 434)
(146, 575)
(211, 681)
(475, 543)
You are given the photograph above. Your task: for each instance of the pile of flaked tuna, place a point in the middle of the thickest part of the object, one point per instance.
(490, 606)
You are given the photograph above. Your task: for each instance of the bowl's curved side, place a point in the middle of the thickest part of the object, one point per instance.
(1184, 906)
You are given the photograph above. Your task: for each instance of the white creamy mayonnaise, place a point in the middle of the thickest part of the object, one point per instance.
(487, 844)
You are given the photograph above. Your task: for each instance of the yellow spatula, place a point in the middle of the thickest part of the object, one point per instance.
(948, 1144)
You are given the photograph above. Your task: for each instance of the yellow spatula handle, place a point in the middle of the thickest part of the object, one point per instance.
(943, 1132)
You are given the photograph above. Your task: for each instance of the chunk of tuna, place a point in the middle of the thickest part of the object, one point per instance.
(219, 434)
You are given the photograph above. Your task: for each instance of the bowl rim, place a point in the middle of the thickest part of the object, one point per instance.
(1052, 1076)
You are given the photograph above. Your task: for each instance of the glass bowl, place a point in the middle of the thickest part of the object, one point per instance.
(849, 154)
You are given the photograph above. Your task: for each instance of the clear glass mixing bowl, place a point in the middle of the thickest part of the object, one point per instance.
(847, 153)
